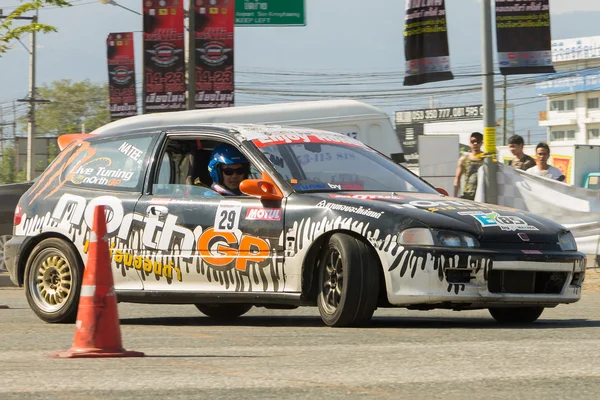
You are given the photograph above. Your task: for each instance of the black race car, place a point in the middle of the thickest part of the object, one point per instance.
(322, 220)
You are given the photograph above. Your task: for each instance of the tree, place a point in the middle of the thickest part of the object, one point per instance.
(7, 166)
(72, 105)
(9, 33)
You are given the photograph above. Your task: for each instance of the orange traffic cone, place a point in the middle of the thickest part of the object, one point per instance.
(98, 331)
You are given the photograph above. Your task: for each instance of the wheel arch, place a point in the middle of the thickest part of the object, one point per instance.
(30, 245)
(310, 277)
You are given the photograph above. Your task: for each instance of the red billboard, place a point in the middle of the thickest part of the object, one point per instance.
(214, 20)
(121, 75)
(164, 64)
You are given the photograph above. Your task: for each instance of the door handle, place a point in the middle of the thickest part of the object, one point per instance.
(157, 210)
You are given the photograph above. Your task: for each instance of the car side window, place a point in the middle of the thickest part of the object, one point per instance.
(112, 163)
(183, 170)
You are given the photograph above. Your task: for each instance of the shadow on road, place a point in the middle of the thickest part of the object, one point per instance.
(376, 322)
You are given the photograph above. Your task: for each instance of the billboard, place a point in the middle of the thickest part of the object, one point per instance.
(426, 43)
(523, 37)
(569, 82)
(121, 75)
(214, 23)
(164, 65)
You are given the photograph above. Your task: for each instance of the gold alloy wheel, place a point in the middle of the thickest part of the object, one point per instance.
(51, 281)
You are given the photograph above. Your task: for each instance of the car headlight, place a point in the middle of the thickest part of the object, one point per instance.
(434, 237)
(567, 241)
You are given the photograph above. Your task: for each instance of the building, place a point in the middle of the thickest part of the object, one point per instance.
(572, 113)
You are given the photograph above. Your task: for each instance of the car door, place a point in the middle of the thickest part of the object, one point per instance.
(104, 171)
(198, 240)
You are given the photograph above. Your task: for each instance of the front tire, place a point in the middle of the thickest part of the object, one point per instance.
(348, 282)
(53, 281)
(223, 312)
(516, 315)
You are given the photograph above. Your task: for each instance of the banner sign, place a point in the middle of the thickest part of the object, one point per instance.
(523, 36)
(569, 82)
(121, 75)
(408, 135)
(426, 43)
(270, 13)
(214, 54)
(576, 49)
(439, 114)
(164, 66)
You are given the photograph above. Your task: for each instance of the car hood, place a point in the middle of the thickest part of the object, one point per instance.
(487, 221)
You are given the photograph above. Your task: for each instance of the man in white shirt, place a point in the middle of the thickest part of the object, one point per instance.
(542, 168)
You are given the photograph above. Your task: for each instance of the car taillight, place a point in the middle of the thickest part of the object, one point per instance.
(18, 215)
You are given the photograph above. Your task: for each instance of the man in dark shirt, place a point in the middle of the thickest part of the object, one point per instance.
(520, 160)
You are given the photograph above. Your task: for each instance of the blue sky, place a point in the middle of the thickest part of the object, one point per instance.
(347, 47)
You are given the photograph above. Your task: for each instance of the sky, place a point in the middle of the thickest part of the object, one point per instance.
(347, 48)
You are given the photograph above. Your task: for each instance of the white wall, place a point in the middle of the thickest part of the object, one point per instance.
(461, 128)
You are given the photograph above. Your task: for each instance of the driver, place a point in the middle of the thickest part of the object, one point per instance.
(228, 168)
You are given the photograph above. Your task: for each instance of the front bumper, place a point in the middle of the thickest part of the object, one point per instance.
(480, 279)
(12, 251)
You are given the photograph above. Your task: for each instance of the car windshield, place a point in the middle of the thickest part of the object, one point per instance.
(321, 165)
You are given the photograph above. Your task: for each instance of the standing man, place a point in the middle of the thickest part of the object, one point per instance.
(520, 160)
(468, 165)
(542, 153)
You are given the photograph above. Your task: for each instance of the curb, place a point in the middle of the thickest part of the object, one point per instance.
(5, 280)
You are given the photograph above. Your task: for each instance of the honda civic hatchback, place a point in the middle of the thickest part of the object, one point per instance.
(319, 219)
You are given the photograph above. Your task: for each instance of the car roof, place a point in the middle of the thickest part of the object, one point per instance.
(247, 131)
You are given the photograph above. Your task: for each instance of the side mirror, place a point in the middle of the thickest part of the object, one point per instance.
(264, 188)
(442, 191)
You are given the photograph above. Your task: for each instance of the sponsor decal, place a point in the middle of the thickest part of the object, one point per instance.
(131, 151)
(365, 196)
(286, 138)
(351, 209)
(531, 251)
(263, 214)
(504, 222)
(311, 186)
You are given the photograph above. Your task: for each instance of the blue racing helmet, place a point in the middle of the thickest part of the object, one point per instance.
(224, 154)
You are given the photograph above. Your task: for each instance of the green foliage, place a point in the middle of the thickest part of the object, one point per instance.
(7, 166)
(9, 32)
(72, 104)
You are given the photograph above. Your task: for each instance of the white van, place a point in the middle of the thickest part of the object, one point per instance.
(358, 120)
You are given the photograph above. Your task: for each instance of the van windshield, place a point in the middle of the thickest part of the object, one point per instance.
(321, 167)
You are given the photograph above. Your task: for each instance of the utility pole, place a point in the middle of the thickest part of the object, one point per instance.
(31, 99)
(31, 122)
(489, 107)
(504, 114)
(191, 52)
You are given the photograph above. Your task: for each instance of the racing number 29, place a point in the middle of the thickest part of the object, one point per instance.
(227, 220)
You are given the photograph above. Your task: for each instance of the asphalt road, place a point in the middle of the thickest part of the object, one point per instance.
(276, 354)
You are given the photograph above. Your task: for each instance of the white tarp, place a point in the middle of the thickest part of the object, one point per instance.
(576, 208)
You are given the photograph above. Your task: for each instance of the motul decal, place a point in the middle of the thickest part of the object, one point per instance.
(263, 214)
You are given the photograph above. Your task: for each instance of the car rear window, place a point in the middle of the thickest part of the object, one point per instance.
(112, 163)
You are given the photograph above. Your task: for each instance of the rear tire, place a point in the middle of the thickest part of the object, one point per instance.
(516, 315)
(223, 312)
(348, 282)
(53, 275)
